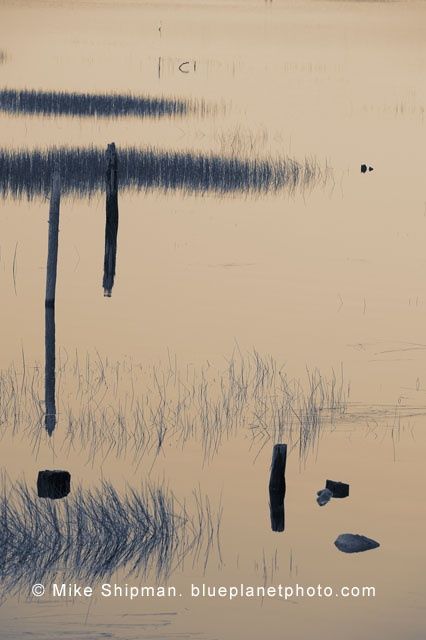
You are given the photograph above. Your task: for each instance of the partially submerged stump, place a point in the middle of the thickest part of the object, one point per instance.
(277, 487)
(338, 489)
(53, 484)
(355, 543)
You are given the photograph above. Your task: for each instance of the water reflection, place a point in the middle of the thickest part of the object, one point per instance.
(95, 532)
(58, 103)
(49, 371)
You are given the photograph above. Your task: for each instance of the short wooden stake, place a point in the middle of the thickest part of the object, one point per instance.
(277, 487)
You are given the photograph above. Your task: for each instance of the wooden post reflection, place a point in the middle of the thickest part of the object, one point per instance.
(49, 335)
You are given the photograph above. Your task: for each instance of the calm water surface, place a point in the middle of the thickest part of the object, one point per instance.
(329, 276)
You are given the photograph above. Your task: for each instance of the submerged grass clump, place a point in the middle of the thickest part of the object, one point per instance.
(127, 409)
(109, 105)
(3, 56)
(91, 534)
(29, 173)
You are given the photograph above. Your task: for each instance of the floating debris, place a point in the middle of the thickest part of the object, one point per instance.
(355, 543)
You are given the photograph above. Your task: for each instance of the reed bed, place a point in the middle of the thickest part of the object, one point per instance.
(29, 173)
(105, 105)
(126, 409)
(91, 534)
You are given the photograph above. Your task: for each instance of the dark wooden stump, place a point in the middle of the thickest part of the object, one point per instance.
(53, 484)
(338, 489)
(277, 487)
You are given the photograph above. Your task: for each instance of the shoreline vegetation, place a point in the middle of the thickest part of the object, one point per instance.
(28, 173)
(96, 532)
(99, 105)
(125, 409)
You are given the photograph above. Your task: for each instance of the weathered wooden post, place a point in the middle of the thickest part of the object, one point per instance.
(111, 223)
(277, 487)
(52, 249)
(52, 262)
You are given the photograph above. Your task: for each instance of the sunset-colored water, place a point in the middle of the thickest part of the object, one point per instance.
(318, 277)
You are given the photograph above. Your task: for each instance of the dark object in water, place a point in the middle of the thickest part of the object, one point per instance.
(111, 223)
(355, 543)
(365, 168)
(338, 489)
(53, 484)
(277, 487)
(324, 496)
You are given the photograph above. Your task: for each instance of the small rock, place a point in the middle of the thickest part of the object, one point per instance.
(365, 168)
(355, 543)
(338, 489)
(324, 496)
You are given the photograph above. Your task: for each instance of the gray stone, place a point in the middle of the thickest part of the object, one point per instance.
(355, 543)
(324, 496)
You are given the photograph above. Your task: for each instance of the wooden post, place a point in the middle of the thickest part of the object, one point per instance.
(52, 249)
(49, 370)
(111, 223)
(277, 487)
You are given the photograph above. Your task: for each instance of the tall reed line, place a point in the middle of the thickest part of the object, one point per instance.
(28, 174)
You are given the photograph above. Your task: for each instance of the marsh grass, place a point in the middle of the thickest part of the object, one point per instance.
(106, 105)
(29, 173)
(126, 409)
(91, 534)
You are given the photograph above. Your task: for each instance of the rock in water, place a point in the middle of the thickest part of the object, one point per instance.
(324, 496)
(53, 484)
(338, 489)
(355, 543)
